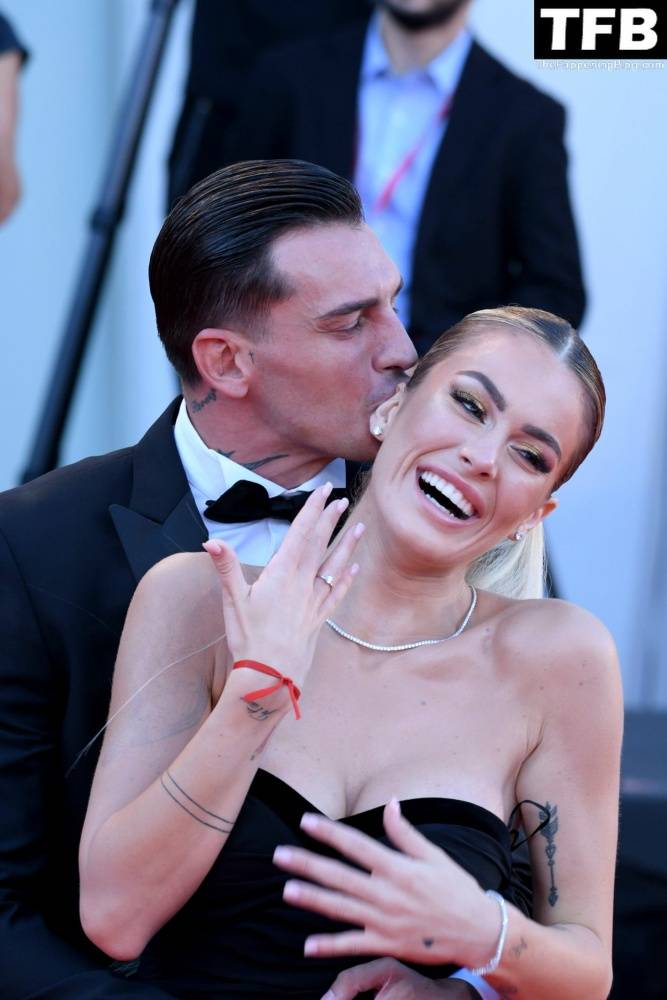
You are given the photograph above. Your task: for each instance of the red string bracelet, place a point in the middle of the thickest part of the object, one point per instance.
(293, 690)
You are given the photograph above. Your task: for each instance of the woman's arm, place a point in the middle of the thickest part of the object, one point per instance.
(175, 768)
(420, 906)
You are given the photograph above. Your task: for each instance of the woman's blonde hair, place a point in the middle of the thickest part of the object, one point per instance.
(517, 569)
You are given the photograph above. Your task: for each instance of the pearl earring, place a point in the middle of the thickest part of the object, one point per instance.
(518, 535)
(377, 430)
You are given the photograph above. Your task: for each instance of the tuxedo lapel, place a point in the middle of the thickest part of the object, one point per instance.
(161, 517)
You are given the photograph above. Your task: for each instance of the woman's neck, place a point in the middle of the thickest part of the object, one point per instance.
(394, 599)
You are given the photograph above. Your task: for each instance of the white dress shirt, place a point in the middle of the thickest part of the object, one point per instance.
(397, 114)
(209, 474)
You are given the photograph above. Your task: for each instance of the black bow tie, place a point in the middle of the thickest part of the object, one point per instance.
(246, 501)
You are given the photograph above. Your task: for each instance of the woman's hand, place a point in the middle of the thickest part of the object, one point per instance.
(394, 981)
(277, 620)
(415, 903)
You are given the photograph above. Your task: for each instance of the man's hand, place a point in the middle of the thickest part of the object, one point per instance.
(394, 981)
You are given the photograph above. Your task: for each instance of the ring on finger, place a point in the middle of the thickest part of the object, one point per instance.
(328, 579)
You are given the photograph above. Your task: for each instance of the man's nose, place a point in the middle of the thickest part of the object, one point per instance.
(396, 350)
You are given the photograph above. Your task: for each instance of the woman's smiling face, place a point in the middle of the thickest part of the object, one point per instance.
(472, 453)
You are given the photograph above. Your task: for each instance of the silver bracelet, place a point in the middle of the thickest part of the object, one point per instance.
(493, 964)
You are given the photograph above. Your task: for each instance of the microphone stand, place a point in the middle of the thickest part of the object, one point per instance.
(102, 230)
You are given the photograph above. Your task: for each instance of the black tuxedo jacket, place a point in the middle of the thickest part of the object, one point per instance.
(73, 546)
(496, 224)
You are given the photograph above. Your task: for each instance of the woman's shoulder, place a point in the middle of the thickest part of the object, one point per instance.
(559, 636)
(186, 578)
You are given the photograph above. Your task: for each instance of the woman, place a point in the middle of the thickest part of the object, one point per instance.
(432, 682)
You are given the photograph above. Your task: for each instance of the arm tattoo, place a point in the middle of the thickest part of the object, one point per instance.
(175, 792)
(199, 404)
(252, 466)
(258, 712)
(549, 814)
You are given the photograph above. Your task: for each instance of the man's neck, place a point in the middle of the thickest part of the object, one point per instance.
(232, 432)
(410, 50)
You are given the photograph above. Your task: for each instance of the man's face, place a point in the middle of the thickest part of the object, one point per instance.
(335, 348)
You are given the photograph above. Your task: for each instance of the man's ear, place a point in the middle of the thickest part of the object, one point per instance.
(385, 413)
(223, 360)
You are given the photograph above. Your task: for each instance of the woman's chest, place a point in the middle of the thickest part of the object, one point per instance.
(366, 736)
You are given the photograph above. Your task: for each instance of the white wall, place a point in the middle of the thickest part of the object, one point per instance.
(605, 532)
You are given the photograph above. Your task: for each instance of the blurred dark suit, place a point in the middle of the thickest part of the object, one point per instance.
(227, 38)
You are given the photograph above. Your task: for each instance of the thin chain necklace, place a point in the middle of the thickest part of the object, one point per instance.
(408, 645)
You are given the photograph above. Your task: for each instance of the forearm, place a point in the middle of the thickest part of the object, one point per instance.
(148, 858)
(10, 64)
(559, 962)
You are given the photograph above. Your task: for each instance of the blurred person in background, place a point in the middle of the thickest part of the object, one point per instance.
(275, 304)
(227, 39)
(12, 56)
(460, 163)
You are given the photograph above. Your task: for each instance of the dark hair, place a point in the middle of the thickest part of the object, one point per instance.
(554, 331)
(211, 263)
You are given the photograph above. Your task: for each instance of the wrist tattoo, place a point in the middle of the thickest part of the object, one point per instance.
(518, 948)
(428, 942)
(549, 815)
(175, 792)
(198, 404)
(258, 712)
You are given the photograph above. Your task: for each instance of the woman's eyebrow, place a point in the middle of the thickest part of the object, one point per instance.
(492, 389)
(500, 401)
(541, 435)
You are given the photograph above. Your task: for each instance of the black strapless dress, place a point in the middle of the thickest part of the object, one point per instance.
(236, 938)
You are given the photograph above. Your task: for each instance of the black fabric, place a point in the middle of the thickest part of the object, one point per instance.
(236, 938)
(247, 501)
(9, 40)
(73, 546)
(227, 39)
(496, 224)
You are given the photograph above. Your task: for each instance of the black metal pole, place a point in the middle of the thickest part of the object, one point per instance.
(103, 224)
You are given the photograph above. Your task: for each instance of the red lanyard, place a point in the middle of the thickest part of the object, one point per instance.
(385, 196)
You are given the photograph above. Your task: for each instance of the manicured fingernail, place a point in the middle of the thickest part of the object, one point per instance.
(326, 489)
(329, 995)
(213, 547)
(342, 504)
(395, 805)
(310, 947)
(282, 854)
(309, 821)
(291, 890)
(359, 529)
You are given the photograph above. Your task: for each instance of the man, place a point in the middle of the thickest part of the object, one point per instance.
(460, 164)
(275, 303)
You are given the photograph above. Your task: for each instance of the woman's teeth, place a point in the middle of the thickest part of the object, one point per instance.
(443, 494)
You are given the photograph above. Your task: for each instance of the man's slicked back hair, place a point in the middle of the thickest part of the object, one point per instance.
(211, 264)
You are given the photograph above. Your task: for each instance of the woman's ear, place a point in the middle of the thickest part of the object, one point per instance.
(538, 515)
(223, 361)
(384, 414)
